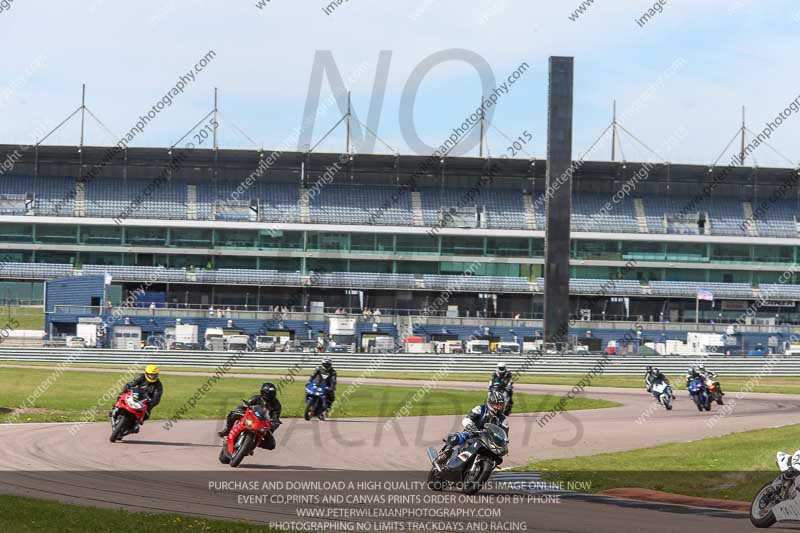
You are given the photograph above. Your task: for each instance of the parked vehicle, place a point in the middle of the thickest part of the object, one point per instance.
(266, 343)
(245, 435)
(469, 465)
(777, 500)
(128, 413)
(76, 342)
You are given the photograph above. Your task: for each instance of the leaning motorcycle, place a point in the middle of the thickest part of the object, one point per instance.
(777, 500)
(128, 413)
(245, 435)
(663, 394)
(699, 393)
(316, 401)
(497, 385)
(471, 464)
(714, 391)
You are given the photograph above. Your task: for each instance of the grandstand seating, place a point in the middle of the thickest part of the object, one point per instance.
(360, 204)
(378, 204)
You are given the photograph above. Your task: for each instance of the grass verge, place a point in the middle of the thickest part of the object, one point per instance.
(73, 393)
(771, 384)
(24, 515)
(732, 467)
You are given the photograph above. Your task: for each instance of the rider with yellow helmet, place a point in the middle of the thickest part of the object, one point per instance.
(149, 381)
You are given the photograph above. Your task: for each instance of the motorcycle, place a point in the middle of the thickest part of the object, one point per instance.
(699, 393)
(470, 465)
(245, 436)
(316, 401)
(128, 413)
(714, 391)
(663, 394)
(777, 500)
(497, 385)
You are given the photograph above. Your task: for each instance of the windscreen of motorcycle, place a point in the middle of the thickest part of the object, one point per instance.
(495, 438)
(261, 412)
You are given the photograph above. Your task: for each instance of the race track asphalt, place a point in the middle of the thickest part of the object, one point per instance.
(170, 470)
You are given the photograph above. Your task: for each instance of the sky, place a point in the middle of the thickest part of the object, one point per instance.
(689, 69)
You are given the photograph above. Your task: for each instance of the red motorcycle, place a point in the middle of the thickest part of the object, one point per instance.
(245, 435)
(129, 412)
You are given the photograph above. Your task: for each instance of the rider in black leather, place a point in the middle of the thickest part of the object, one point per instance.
(326, 374)
(505, 379)
(268, 398)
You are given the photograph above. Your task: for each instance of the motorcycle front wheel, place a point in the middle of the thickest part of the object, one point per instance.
(434, 483)
(309, 412)
(123, 420)
(245, 447)
(762, 516)
(475, 478)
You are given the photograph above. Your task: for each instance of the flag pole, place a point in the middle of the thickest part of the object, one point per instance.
(697, 308)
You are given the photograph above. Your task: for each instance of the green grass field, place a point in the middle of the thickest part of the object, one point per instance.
(74, 392)
(773, 384)
(732, 467)
(23, 515)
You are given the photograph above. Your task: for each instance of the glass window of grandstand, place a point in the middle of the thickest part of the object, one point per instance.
(730, 276)
(108, 235)
(189, 262)
(17, 256)
(317, 264)
(641, 274)
(684, 274)
(730, 252)
(380, 267)
(44, 256)
(233, 261)
(643, 250)
(282, 264)
(280, 240)
(596, 250)
(462, 245)
(686, 251)
(235, 239)
(101, 258)
(16, 232)
(419, 244)
(509, 247)
(537, 248)
(592, 272)
(190, 237)
(480, 269)
(773, 254)
(417, 267)
(378, 242)
(57, 233)
(328, 241)
(156, 236)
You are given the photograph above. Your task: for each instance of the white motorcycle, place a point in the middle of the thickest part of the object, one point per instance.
(663, 394)
(778, 500)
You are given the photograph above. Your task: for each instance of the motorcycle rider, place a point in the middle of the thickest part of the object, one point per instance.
(709, 376)
(267, 397)
(502, 380)
(326, 374)
(148, 381)
(693, 373)
(653, 376)
(489, 412)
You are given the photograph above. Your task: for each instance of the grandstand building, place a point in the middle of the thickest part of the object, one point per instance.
(261, 229)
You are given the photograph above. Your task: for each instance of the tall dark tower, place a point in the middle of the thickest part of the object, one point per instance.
(558, 200)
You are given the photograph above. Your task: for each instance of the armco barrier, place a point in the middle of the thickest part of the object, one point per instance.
(530, 363)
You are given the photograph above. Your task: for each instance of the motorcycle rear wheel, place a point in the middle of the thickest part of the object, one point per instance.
(768, 519)
(247, 445)
(224, 456)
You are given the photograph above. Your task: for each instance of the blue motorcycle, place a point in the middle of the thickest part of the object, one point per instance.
(316, 401)
(699, 393)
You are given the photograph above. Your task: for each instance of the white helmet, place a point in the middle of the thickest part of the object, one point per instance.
(501, 367)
